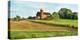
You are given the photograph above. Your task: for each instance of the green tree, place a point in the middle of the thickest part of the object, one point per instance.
(29, 17)
(55, 15)
(23, 18)
(75, 15)
(17, 18)
(14, 19)
(65, 13)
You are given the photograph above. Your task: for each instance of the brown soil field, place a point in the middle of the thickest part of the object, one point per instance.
(31, 26)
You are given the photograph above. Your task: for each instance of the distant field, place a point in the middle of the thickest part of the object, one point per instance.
(65, 22)
(28, 29)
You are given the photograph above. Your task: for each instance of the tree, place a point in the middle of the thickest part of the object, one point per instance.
(65, 13)
(17, 18)
(29, 17)
(55, 15)
(23, 18)
(75, 15)
(14, 19)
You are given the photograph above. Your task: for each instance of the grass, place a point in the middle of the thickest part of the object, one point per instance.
(27, 29)
(31, 26)
(39, 34)
(62, 22)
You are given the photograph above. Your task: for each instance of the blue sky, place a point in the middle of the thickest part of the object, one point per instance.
(27, 8)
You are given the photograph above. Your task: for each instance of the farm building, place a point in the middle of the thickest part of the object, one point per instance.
(42, 15)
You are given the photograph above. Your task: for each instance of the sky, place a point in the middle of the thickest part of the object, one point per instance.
(28, 8)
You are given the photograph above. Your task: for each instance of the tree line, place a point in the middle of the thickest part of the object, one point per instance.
(63, 13)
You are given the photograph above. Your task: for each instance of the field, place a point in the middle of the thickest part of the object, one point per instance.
(31, 29)
(60, 22)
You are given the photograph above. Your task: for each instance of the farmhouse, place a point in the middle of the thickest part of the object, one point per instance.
(42, 15)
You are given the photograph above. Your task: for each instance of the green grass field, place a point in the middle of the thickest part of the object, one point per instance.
(27, 29)
(59, 22)
(39, 34)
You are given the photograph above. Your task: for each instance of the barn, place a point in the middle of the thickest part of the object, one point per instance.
(42, 15)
